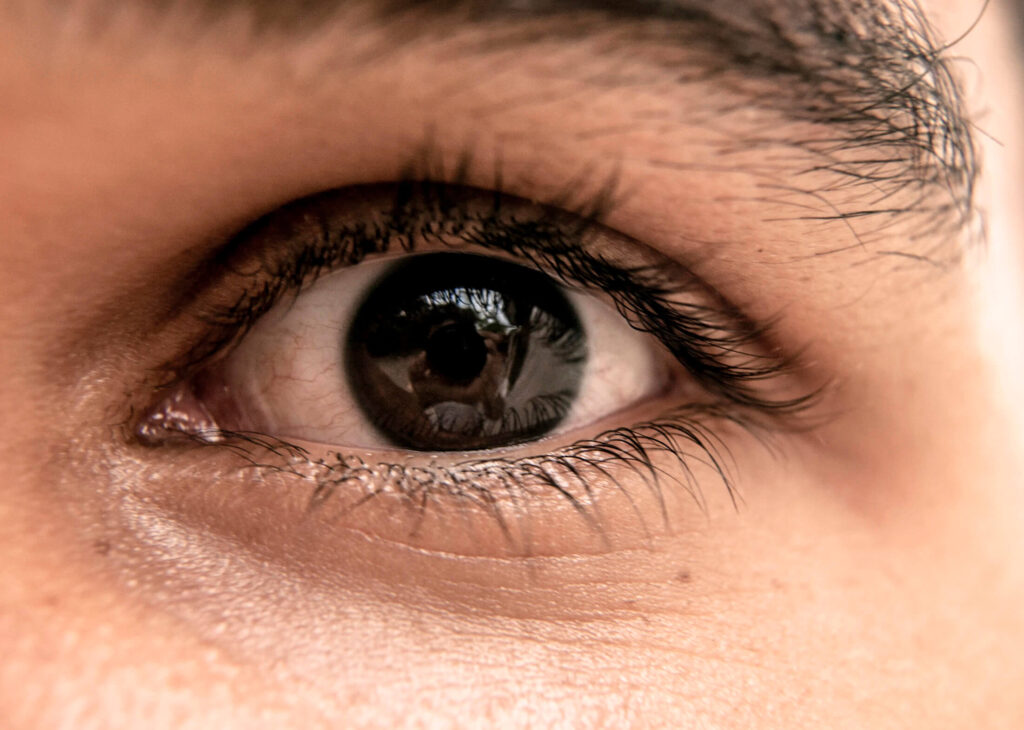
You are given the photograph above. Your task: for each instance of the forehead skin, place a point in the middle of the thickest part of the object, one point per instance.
(873, 576)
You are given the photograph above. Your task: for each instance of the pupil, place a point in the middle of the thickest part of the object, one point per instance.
(456, 352)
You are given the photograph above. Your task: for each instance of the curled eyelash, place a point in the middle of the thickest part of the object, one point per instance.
(501, 487)
(712, 340)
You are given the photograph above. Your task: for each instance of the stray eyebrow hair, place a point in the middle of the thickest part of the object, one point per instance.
(871, 70)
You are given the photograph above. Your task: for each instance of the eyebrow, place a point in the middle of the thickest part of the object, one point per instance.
(872, 70)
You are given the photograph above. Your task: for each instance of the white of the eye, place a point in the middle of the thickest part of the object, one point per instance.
(287, 376)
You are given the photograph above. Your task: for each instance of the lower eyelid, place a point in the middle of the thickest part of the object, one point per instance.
(610, 493)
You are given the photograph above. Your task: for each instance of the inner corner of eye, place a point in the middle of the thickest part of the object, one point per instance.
(435, 352)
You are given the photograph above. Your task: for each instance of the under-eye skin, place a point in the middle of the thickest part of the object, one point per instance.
(705, 367)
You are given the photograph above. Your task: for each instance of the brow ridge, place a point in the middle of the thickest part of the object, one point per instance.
(874, 70)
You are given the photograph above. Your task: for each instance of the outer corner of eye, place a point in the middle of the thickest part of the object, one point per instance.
(433, 352)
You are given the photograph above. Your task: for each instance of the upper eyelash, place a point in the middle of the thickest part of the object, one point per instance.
(715, 343)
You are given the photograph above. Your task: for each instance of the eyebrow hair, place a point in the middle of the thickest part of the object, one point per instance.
(872, 70)
(1017, 10)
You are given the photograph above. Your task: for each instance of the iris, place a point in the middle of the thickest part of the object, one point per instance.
(454, 352)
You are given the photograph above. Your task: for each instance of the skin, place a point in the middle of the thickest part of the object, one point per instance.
(871, 576)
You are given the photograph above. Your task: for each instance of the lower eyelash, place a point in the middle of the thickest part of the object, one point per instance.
(502, 485)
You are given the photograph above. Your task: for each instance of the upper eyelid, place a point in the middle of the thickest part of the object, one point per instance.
(712, 340)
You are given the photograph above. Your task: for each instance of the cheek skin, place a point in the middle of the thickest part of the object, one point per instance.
(785, 588)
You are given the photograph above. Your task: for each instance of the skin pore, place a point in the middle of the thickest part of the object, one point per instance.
(828, 168)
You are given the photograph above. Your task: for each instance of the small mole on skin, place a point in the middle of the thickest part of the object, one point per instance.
(683, 576)
(101, 546)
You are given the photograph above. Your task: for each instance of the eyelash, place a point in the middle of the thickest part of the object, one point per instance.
(697, 335)
(683, 434)
(700, 336)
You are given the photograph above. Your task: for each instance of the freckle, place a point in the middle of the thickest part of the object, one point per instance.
(683, 576)
(102, 547)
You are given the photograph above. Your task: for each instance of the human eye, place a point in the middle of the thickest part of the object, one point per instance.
(432, 346)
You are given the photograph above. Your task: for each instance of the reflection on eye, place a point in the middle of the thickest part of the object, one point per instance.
(455, 351)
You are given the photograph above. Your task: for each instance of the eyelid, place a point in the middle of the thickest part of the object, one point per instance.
(602, 493)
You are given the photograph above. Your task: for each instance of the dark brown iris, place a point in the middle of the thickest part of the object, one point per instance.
(458, 351)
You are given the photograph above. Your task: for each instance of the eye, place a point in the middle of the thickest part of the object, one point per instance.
(446, 346)
(432, 352)
(455, 352)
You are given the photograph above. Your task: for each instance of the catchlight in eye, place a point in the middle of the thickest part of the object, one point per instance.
(456, 351)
